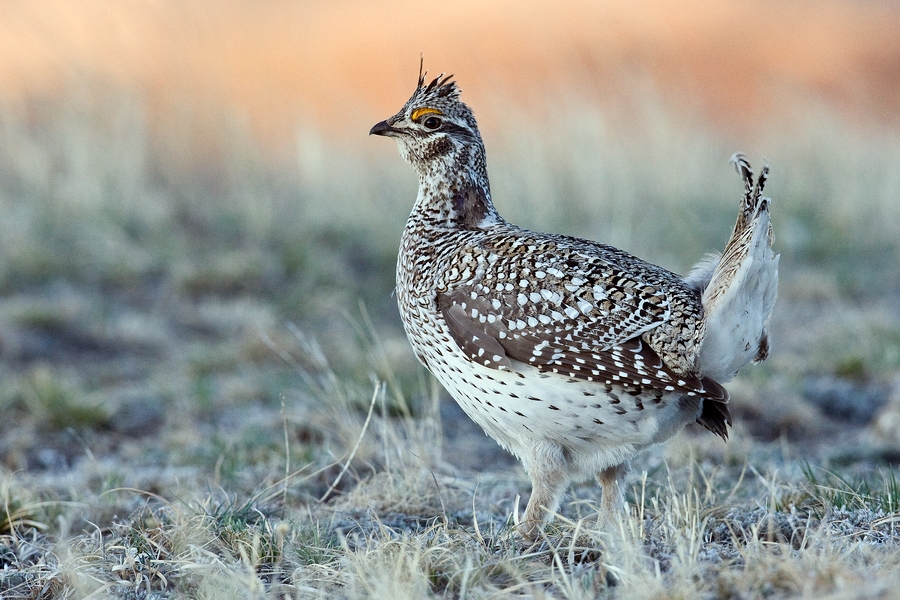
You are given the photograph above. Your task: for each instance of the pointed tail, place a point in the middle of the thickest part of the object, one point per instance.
(740, 291)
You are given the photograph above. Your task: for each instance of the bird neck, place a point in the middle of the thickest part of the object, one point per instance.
(454, 192)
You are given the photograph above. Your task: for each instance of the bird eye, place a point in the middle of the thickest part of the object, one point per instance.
(432, 123)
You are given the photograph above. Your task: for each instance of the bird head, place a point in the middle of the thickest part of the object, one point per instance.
(434, 127)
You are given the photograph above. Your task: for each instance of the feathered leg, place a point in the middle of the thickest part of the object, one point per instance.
(613, 500)
(548, 469)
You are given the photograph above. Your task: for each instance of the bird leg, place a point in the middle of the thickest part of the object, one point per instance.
(613, 500)
(549, 476)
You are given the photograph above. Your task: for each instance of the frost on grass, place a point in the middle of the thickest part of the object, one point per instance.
(406, 524)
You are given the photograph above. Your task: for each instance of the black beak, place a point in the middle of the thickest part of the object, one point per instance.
(383, 128)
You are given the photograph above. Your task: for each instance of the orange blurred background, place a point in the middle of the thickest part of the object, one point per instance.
(339, 66)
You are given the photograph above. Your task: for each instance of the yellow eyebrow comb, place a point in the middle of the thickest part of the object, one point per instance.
(424, 111)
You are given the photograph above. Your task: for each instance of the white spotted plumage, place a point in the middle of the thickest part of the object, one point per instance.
(572, 354)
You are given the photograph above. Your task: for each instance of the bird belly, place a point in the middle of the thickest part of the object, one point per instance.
(523, 408)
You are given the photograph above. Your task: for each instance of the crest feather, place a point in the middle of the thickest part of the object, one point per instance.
(441, 86)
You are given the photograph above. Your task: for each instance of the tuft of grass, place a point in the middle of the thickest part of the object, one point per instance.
(852, 367)
(18, 514)
(826, 491)
(52, 399)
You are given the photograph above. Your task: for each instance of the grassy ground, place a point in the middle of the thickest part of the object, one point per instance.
(206, 392)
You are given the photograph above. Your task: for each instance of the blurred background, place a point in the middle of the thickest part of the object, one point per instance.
(194, 219)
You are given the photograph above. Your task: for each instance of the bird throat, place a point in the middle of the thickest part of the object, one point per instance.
(454, 189)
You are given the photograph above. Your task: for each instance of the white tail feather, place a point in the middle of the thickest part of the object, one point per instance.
(739, 289)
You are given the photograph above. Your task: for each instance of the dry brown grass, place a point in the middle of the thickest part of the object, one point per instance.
(417, 527)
